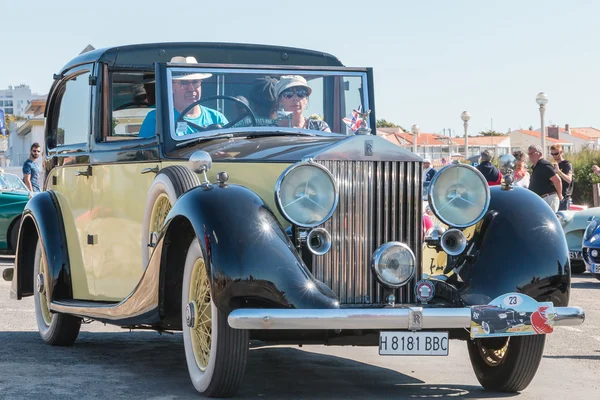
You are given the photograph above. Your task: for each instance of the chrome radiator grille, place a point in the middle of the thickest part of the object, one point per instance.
(378, 202)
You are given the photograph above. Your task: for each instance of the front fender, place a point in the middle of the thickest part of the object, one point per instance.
(42, 219)
(247, 252)
(519, 247)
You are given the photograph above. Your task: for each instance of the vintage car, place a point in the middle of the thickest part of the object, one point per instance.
(496, 319)
(574, 224)
(13, 197)
(590, 248)
(254, 226)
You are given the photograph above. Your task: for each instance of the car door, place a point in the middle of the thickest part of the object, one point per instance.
(123, 168)
(68, 159)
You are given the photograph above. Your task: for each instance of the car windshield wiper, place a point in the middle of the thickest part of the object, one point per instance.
(204, 139)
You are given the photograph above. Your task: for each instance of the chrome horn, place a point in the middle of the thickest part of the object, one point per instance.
(454, 242)
(318, 241)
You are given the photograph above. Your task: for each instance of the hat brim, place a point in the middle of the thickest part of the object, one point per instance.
(191, 77)
(294, 84)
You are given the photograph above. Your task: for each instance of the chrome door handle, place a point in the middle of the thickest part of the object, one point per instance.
(153, 169)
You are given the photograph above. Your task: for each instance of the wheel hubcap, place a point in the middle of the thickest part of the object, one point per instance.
(40, 283)
(160, 210)
(199, 315)
(190, 315)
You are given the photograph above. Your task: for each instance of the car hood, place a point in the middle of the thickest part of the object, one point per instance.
(580, 219)
(296, 148)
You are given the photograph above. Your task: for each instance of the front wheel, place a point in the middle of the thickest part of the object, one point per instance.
(55, 329)
(506, 364)
(216, 354)
(577, 267)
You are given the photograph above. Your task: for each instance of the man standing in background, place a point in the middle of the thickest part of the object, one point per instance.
(564, 169)
(544, 181)
(31, 169)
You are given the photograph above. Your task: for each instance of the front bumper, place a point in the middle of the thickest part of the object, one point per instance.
(402, 318)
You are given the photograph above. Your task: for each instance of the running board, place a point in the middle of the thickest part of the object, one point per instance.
(140, 306)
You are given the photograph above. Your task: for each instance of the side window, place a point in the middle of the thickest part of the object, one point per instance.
(73, 124)
(131, 99)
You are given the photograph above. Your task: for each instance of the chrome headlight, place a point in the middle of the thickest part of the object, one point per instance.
(393, 264)
(590, 229)
(459, 195)
(306, 194)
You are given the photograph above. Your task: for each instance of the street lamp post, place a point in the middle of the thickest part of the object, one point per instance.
(415, 131)
(465, 116)
(542, 100)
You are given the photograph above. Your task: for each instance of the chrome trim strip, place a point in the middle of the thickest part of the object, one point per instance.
(379, 318)
(143, 299)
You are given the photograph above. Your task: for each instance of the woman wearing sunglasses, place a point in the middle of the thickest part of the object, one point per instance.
(292, 95)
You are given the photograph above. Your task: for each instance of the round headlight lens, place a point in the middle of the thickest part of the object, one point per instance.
(306, 194)
(459, 195)
(393, 264)
(590, 229)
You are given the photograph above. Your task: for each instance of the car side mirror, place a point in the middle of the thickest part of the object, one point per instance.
(200, 162)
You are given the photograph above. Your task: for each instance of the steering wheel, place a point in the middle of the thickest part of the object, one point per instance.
(216, 126)
(139, 104)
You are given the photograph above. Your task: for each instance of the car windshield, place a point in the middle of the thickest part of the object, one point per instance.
(204, 101)
(11, 182)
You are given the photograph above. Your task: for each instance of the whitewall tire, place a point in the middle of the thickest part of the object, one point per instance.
(216, 354)
(170, 183)
(55, 329)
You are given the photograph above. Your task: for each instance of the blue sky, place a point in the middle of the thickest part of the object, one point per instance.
(432, 59)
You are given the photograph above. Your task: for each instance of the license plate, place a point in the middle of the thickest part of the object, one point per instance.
(595, 268)
(413, 343)
(575, 255)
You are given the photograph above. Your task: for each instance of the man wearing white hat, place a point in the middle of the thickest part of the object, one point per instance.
(428, 171)
(187, 89)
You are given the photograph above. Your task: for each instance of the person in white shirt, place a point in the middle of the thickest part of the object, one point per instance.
(521, 174)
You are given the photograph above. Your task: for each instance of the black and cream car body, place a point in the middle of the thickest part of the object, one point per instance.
(272, 233)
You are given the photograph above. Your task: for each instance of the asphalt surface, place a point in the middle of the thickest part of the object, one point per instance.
(109, 362)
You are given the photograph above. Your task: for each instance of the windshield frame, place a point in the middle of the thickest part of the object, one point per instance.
(170, 68)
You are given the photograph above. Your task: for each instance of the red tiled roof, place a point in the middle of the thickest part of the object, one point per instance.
(585, 133)
(482, 140)
(537, 134)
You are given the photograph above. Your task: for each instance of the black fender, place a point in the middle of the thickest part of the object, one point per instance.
(42, 218)
(248, 255)
(518, 247)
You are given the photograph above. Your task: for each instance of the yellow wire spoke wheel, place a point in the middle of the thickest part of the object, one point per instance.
(199, 308)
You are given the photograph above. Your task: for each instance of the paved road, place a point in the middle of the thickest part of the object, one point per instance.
(108, 362)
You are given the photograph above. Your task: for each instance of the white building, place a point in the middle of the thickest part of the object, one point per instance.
(521, 139)
(30, 131)
(14, 100)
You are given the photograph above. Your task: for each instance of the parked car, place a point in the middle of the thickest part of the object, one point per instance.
(574, 224)
(13, 197)
(591, 248)
(233, 231)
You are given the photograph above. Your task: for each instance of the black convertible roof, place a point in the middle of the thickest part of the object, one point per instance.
(144, 56)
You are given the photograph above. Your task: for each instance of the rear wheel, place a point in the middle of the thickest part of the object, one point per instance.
(506, 364)
(56, 329)
(216, 354)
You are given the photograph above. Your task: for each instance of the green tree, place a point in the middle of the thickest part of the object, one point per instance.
(382, 123)
(491, 133)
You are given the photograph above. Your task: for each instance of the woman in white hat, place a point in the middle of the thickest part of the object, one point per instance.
(292, 93)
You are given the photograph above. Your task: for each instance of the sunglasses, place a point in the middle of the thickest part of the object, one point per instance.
(555, 154)
(185, 84)
(289, 93)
